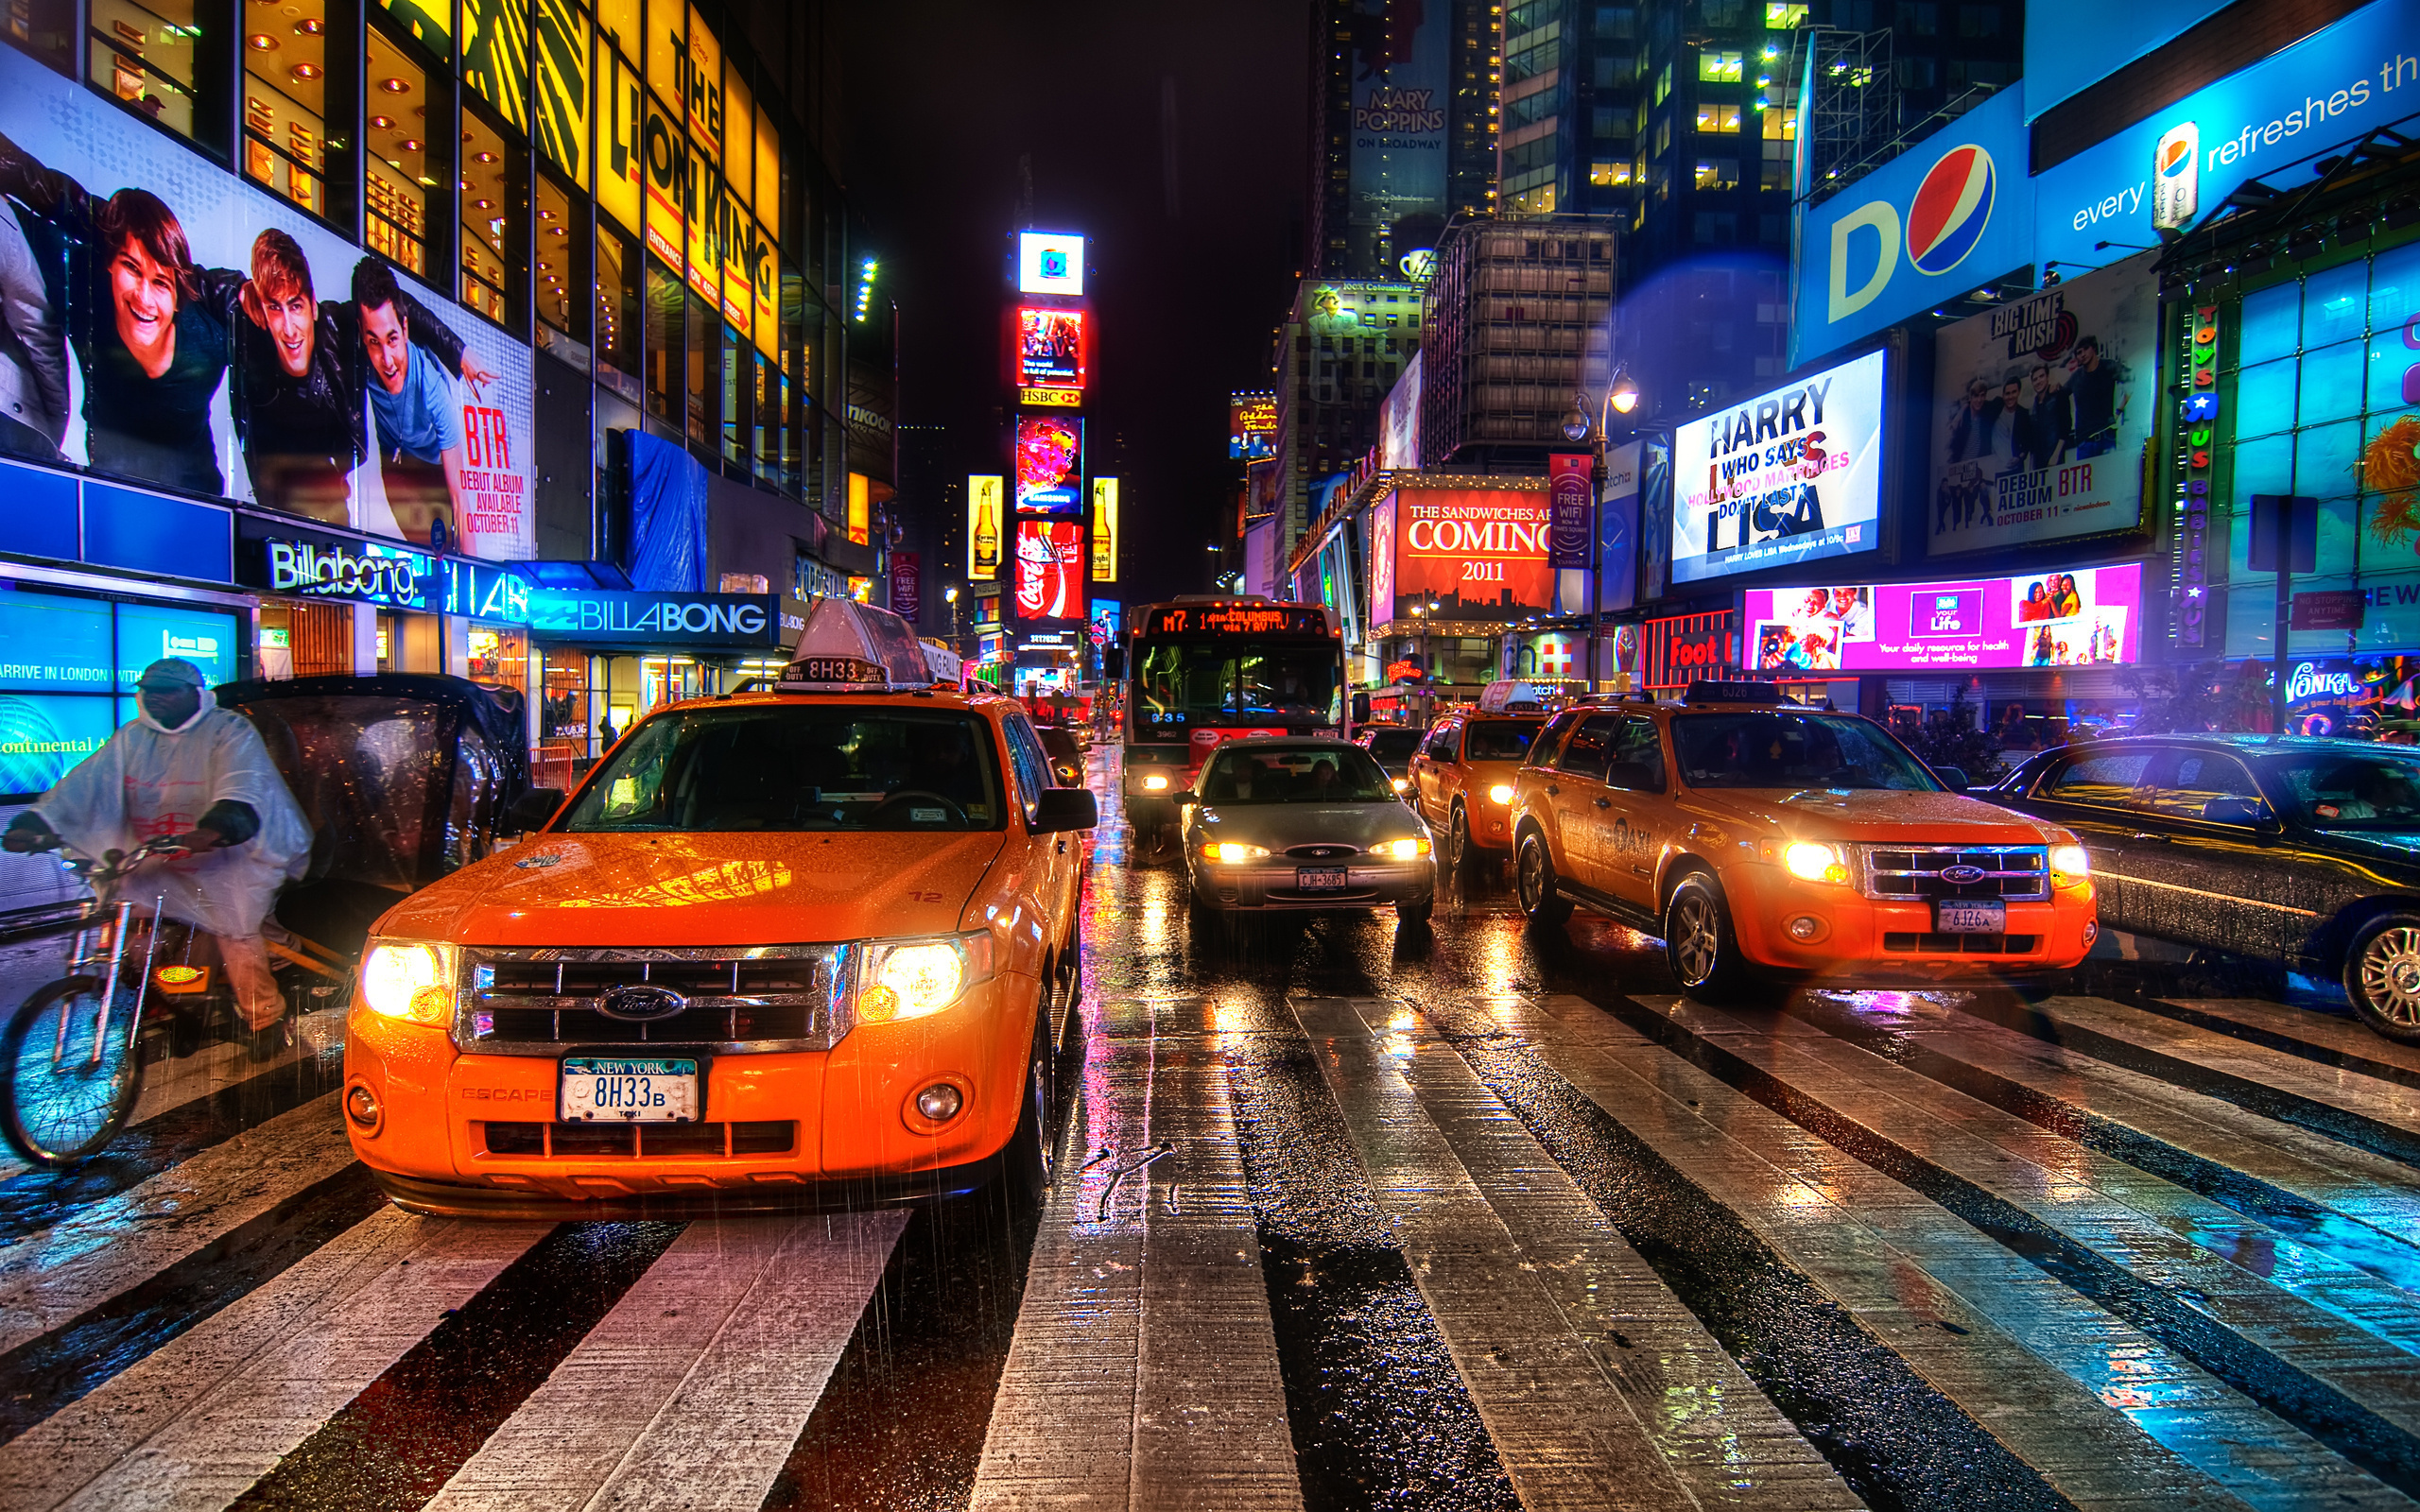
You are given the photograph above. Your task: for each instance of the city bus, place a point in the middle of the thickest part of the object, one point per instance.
(1202, 670)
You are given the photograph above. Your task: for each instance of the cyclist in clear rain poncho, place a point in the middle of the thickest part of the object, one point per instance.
(199, 774)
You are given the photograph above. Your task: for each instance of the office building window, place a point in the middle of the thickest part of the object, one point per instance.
(1615, 21)
(563, 307)
(150, 57)
(1663, 84)
(768, 409)
(397, 180)
(666, 308)
(1918, 73)
(703, 373)
(1614, 71)
(1715, 228)
(1919, 18)
(617, 312)
(1969, 71)
(495, 178)
(1716, 66)
(1717, 173)
(1775, 173)
(1783, 17)
(1979, 20)
(1717, 119)
(1724, 14)
(1609, 175)
(286, 77)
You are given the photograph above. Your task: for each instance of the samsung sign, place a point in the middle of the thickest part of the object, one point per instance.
(600, 617)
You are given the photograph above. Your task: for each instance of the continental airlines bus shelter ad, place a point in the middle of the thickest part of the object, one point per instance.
(171, 326)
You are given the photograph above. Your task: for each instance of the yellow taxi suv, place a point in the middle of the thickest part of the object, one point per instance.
(807, 945)
(1764, 841)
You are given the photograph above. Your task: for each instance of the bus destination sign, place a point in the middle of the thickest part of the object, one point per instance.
(1239, 619)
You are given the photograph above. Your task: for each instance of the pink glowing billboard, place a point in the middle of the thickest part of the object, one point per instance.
(2085, 616)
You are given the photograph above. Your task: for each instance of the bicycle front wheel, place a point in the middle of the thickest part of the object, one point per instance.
(63, 1094)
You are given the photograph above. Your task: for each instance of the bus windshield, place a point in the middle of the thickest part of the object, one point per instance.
(1179, 685)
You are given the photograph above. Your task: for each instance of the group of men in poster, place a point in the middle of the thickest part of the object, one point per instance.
(153, 335)
(2044, 414)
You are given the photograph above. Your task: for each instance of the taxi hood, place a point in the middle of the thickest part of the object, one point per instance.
(694, 889)
(1874, 816)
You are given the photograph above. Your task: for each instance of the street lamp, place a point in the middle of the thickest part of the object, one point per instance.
(1622, 396)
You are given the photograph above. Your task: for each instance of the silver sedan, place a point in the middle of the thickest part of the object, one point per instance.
(1288, 823)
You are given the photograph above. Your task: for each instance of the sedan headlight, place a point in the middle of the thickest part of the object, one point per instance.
(1811, 862)
(1230, 853)
(1400, 850)
(411, 980)
(1501, 793)
(2070, 865)
(910, 978)
(1156, 783)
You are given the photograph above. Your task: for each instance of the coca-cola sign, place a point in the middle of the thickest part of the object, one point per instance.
(1051, 570)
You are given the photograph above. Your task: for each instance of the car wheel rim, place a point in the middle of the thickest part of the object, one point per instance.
(2391, 975)
(1533, 890)
(1461, 837)
(1695, 941)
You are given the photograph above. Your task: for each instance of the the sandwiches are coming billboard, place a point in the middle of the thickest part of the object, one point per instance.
(1476, 553)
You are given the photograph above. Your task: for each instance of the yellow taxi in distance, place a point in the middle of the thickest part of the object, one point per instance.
(1461, 784)
(1762, 840)
(809, 945)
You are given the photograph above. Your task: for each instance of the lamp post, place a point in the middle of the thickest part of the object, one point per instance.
(1622, 396)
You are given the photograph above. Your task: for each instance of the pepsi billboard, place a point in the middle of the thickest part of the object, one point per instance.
(1952, 215)
(2057, 69)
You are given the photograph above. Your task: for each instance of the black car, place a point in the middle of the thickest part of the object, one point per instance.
(2298, 849)
(1392, 746)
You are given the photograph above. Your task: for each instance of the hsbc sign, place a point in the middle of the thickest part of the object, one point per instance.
(1955, 213)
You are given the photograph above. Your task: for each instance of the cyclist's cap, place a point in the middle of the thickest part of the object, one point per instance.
(171, 672)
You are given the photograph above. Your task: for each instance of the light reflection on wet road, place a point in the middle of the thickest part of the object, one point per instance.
(1351, 1213)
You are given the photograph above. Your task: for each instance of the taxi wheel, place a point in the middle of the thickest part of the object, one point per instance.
(1534, 873)
(1459, 854)
(1698, 941)
(2382, 976)
(1028, 1153)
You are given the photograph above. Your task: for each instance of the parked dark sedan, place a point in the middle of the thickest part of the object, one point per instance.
(2306, 851)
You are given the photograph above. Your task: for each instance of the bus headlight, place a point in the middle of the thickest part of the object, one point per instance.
(1156, 783)
(409, 980)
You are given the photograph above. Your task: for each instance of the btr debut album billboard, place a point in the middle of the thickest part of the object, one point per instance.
(170, 325)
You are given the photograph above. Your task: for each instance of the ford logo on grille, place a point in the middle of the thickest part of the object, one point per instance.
(639, 1004)
(1961, 874)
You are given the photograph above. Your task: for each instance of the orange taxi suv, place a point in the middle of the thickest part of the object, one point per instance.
(812, 945)
(1462, 780)
(1760, 840)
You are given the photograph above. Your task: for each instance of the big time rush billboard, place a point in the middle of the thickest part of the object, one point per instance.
(1052, 571)
(2038, 431)
(1050, 465)
(1787, 476)
(180, 328)
(1476, 553)
(2091, 616)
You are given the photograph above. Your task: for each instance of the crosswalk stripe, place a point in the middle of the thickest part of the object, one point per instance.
(206, 1416)
(2108, 1415)
(1143, 1372)
(64, 1271)
(2324, 1038)
(1528, 1282)
(736, 1326)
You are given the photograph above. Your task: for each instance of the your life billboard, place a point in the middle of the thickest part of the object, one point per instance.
(181, 329)
(2091, 616)
(1786, 477)
(2038, 431)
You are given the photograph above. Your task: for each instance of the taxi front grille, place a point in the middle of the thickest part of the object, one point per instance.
(735, 1001)
(580, 1141)
(1959, 944)
(2020, 872)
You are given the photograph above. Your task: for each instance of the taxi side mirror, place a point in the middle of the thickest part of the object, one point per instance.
(1184, 796)
(530, 811)
(1064, 808)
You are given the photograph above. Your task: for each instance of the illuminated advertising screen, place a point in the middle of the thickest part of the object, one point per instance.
(1050, 465)
(1787, 476)
(1252, 427)
(1050, 263)
(1476, 553)
(1104, 530)
(2038, 427)
(66, 658)
(2088, 616)
(1051, 576)
(1050, 348)
(374, 405)
(985, 520)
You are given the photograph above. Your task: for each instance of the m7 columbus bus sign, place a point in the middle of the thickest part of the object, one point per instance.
(1476, 553)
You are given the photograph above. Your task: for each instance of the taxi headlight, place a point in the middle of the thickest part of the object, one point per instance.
(1811, 862)
(1230, 851)
(1401, 849)
(2070, 864)
(1156, 783)
(1401, 782)
(409, 980)
(1501, 793)
(910, 978)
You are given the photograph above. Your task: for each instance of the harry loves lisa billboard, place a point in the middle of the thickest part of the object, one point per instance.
(176, 327)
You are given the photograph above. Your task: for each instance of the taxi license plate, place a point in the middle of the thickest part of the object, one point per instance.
(1319, 879)
(1973, 916)
(594, 1088)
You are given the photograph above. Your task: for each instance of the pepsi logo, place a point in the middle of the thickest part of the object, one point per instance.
(2175, 157)
(1950, 209)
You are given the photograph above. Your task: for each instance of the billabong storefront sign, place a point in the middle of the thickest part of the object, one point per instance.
(604, 617)
(283, 558)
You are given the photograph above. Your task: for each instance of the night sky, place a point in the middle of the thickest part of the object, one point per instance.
(1191, 271)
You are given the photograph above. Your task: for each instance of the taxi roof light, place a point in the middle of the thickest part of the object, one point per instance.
(846, 646)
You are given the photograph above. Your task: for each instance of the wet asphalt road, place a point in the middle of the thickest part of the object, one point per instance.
(1349, 1214)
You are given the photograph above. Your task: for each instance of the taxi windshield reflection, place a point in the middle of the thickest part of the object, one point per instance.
(1793, 750)
(797, 768)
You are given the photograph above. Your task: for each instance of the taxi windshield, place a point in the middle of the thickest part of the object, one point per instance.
(2333, 791)
(1763, 749)
(1328, 772)
(1498, 740)
(788, 767)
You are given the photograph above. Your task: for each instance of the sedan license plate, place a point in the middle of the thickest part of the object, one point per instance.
(594, 1088)
(1973, 916)
(1319, 879)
